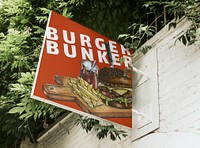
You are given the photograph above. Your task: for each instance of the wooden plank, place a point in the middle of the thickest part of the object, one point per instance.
(62, 91)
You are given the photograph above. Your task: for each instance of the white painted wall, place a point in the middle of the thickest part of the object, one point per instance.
(179, 102)
(179, 92)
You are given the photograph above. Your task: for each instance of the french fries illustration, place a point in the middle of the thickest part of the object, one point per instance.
(85, 91)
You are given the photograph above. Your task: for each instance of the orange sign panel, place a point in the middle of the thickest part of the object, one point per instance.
(80, 70)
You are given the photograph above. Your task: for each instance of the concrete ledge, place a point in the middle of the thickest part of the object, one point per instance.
(67, 120)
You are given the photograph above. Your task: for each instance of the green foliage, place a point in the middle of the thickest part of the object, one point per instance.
(13, 50)
(136, 39)
(20, 43)
(108, 17)
(96, 15)
(190, 9)
(103, 131)
(157, 15)
(27, 107)
(25, 112)
(178, 9)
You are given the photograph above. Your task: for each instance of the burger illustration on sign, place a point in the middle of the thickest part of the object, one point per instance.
(96, 91)
(115, 88)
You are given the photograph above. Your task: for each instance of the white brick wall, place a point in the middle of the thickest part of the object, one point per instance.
(179, 86)
(179, 102)
(179, 91)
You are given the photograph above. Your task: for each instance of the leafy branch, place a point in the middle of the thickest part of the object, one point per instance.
(189, 9)
(141, 32)
(103, 131)
(27, 107)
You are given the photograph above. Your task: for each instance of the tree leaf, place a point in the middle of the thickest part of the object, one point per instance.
(16, 110)
(149, 33)
(123, 36)
(183, 39)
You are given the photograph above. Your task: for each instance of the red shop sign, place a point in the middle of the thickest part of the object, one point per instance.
(74, 72)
